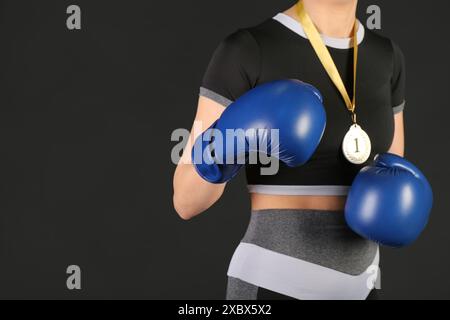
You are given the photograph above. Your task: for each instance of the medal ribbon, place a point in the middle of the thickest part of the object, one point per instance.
(327, 61)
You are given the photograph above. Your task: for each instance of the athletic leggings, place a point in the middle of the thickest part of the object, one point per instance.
(303, 255)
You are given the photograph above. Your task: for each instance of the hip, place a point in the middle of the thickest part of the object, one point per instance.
(305, 254)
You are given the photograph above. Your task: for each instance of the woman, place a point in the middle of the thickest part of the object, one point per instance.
(297, 232)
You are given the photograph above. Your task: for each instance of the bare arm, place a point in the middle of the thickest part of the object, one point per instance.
(398, 144)
(189, 204)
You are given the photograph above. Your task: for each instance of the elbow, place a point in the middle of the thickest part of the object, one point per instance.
(184, 210)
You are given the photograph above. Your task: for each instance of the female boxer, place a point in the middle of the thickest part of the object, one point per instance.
(298, 244)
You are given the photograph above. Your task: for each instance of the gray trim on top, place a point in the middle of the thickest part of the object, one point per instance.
(398, 109)
(337, 43)
(215, 97)
(299, 190)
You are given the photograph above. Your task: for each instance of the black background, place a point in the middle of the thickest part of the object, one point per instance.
(85, 171)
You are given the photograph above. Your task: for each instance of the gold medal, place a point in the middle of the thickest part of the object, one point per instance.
(356, 145)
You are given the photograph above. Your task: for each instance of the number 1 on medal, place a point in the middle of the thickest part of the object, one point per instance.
(356, 145)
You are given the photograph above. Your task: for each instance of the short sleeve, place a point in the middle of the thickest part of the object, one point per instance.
(398, 84)
(233, 69)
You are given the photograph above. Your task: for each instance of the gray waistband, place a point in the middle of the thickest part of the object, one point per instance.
(319, 237)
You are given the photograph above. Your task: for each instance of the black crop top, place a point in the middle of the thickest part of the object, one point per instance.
(279, 49)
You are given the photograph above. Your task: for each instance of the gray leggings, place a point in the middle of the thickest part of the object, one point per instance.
(321, 238)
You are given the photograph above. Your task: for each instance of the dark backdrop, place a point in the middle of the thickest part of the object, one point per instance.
(85, 124)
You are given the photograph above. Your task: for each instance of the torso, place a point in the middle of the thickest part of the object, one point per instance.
(276, 50)
(373, 94)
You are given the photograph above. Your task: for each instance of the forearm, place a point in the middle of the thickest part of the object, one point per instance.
(398, 143)
(193, 195)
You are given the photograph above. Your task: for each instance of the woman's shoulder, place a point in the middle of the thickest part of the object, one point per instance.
(238, 39)
(254, 34)
(377, 40)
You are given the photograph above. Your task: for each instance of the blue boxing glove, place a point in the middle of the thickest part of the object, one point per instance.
(293, 108)
(389, 202)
